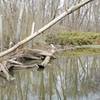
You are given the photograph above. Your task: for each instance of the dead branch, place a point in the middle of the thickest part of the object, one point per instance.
(69, 11)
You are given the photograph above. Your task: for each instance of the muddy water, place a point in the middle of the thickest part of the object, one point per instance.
(66, 78)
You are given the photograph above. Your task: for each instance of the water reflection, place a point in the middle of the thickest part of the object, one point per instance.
(67, 78)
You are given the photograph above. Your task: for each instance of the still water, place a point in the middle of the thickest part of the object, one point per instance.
(66, 78)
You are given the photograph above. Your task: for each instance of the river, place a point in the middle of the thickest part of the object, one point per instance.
(66, 78)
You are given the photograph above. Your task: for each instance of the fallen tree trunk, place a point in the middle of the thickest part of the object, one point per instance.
(69, 11)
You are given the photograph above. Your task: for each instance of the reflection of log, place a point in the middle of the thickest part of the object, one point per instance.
(22, 58)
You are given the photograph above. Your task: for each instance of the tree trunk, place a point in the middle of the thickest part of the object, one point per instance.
(18, 33)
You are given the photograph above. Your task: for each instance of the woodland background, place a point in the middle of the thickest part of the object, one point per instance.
(17, 16)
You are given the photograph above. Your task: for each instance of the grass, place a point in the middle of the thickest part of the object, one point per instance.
(74, 38)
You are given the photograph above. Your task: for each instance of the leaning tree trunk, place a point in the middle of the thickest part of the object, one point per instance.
(65, 13)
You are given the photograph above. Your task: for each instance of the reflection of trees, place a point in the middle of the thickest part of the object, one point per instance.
(67, 78)
(77, 75)
(42, 87)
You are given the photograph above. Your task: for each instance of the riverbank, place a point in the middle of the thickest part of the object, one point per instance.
(76, 42)
(74, 38)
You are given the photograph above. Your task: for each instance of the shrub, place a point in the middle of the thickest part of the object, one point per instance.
(73, 38)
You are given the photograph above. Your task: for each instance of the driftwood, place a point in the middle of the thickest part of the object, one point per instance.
(22, 59)
(65, 13)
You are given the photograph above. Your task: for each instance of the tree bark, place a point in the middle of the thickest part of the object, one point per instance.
(65, 13)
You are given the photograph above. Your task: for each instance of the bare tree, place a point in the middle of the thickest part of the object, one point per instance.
(17, 20)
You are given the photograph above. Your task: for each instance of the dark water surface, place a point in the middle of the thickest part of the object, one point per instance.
(67, 78)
